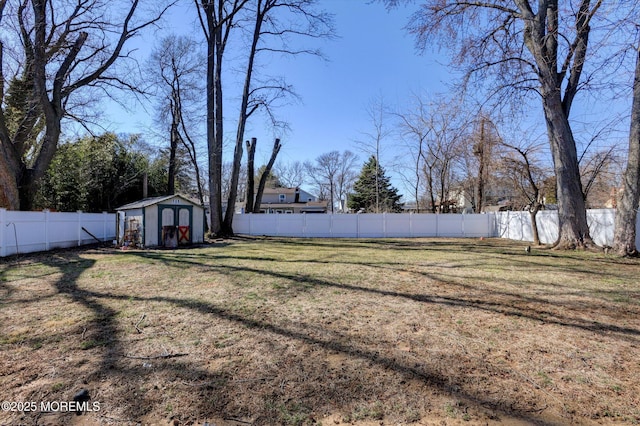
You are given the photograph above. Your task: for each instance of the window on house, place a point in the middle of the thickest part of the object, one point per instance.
(282, 197)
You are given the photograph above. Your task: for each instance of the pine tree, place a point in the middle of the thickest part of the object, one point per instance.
(364, 196)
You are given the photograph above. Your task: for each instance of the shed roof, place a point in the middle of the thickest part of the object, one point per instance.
(154, 200)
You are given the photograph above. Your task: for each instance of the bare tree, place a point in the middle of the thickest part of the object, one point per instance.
(624, 240)
(291, 175)
(414, 129)
(217, 20)
(599, 173)
(521, 165)
(484, 138)
(371, 143)
(444, 146)
(345, 178)
(174, 68)
(527, 47)
(67, 49)
(266, 21)
(324, 172)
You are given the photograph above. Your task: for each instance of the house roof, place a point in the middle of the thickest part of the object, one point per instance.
(308, 206)
(280, 190)
(146, 202)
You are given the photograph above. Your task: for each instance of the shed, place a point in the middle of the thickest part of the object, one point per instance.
(166, 221)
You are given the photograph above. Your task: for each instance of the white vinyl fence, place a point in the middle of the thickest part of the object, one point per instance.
(385, 225)
(517, 226)
(512, 225)
(27, 232)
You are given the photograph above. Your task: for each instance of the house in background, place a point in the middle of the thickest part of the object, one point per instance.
(290, 200)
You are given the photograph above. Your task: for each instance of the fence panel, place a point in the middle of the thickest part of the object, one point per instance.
(27, 232)
(601, 225)
(424, 225)
(290, 226)
(345, 226)
(317, 225)
(370, 225)
(450, 225)
(517, 226)
(397, 225)
(476, 225)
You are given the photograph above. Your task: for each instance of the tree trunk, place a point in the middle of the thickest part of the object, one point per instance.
(533, 213)
(572, 214)
(251, 153)
(243, 115)
(214, 122)
(30, 177)
(540, 37)
(481, 173)
(174, 139)
(9, 194)
(265, 175)
(624, 239)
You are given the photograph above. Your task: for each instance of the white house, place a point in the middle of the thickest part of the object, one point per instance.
(290, 200)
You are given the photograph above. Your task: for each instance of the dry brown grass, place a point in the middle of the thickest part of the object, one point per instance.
(293, 332)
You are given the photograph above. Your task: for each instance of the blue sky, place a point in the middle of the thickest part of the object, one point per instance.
(373, 56)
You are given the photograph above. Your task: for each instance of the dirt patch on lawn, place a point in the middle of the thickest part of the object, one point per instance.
(296, 332)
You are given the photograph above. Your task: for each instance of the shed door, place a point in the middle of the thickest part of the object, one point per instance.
(184, 226)
(168, 218)
(178, 217)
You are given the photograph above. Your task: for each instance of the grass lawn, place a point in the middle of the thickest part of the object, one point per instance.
(293, 332)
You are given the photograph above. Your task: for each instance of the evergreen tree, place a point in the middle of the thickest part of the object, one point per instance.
(100, 173)
(364, 196)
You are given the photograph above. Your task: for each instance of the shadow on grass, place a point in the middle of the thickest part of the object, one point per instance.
(508, 308)
(306, 336)
(104, 329)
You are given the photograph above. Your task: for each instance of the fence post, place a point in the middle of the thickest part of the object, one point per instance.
(411, 224)
(105, 216)
(304, 225)
(3, 245)
(331, 225)
(47, 218)
(79, 213)
(384, 224)
(490, 223)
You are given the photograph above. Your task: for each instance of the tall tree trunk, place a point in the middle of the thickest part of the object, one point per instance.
(214, 120)
(624, 239)
(572, 214)
(481, 173)
(174, 139)
(265, 175)
(541, 39)
(243, 115)
(251, 153)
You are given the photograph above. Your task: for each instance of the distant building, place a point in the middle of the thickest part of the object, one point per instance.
(290, 200)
